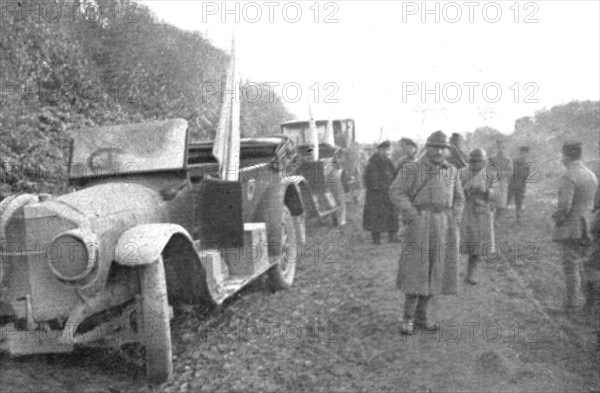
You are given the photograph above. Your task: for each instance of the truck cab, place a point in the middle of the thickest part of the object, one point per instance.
(326, 175)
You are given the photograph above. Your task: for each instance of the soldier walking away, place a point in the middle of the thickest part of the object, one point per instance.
(576, 191)
(518, 181)
(503, 166)
(408, 151)
(379, 214)
(428, 195)
(478, 218)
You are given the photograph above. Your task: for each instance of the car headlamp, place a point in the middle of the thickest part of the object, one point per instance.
(73, 254)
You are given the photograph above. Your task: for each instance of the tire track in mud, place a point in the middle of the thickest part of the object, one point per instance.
(546, 301)
(537, 278)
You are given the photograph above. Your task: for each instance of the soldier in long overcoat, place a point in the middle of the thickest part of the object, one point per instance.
(478, 218)
(379, 214)
(576, 191)
(430, 196)
(503, 166)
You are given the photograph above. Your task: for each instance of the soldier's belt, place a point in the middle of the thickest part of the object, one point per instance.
(433, 209)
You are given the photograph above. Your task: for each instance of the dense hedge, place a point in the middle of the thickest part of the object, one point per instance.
(102, 68)
(546, 131)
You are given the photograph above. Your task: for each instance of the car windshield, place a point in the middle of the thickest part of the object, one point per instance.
(299, 132)
(128, 149)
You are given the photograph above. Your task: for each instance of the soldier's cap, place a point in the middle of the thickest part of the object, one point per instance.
(524, 149)
(438, 139)
(384, 145)
(455, 137)
(477, 155)
(572, 150)
(408, 141)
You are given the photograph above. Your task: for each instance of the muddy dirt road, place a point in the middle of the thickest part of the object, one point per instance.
(337, 329)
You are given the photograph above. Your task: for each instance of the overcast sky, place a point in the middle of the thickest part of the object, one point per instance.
(375, 57)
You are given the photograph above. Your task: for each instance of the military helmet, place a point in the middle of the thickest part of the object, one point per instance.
(477, 156)
(456, 138)
(408, 141)
(438, 139)
(384, 145)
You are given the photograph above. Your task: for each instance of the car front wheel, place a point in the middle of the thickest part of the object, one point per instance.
(287, 252)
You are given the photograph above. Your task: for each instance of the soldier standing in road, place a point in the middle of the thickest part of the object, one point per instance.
(408, 151)
(379, 214)
(478, 219)
(518, 180)
(504, 167)
(429, 195)
(576, 193)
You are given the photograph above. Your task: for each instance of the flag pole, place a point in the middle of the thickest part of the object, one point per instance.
(226, 148)
(314, 137)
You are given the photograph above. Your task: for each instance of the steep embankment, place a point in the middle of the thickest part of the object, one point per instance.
(74, 69)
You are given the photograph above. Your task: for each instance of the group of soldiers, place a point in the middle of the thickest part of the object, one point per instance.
(449, 202)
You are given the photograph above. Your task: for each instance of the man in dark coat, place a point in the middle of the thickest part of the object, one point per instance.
(430, 198)
(576, 191)
(518, 180)
(379, 214)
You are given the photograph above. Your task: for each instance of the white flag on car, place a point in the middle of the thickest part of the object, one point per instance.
(313, 139)
(227, 140)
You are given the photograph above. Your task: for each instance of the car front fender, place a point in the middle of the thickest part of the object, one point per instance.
(143, 244)
(292, 192)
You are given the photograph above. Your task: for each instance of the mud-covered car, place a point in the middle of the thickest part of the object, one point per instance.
(147, 225)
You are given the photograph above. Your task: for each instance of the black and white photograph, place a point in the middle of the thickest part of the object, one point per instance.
(299, 196)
